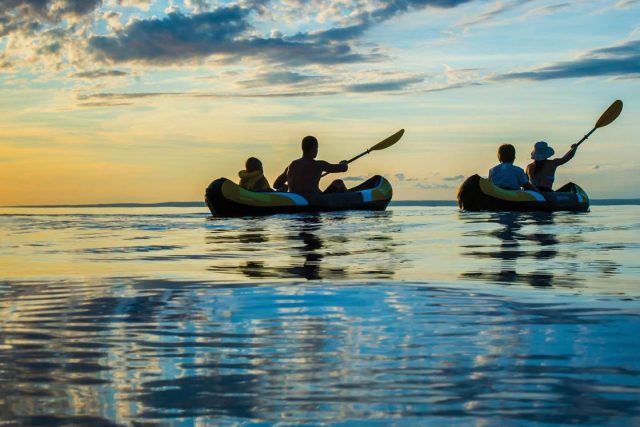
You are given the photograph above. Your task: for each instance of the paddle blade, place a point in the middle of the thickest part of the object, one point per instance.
(388, 142)
(610, 115)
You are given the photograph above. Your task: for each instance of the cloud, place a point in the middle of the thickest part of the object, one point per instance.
(23, 12)
(354, 178)
(497, 10)
(80, 7)
(392, 8)
(433, 186)
(277, 78)
(105, 104)
(621, 60)
(404, 178)
(115, 99)
(130, 95)
(96, 74)
(546, 10)
(452, 86)
(627, 4)
(453, 178)
(384, 86)
(224, 31)
(140, 4)
(174, 37)
(491, 13)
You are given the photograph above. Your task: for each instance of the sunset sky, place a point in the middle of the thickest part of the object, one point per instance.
(148, 101)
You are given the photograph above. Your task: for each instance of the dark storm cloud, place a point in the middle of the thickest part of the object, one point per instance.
(384, 86)
(614, 61)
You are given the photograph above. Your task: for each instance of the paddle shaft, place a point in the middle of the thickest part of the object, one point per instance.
(349, 161)
(584, 138)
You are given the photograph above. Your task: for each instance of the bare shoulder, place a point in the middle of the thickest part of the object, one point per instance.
(295, 164)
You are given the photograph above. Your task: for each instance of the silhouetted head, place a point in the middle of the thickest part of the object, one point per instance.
(541, 151)
(252, 164)
(310, 146)
(506, 153)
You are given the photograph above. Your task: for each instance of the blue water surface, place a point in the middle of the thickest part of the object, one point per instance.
(420, 315)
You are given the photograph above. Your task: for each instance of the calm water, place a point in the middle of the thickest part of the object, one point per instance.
(417, 315)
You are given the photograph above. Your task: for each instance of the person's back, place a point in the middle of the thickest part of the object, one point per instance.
(303, 175)
(542, 170)
(506, 175)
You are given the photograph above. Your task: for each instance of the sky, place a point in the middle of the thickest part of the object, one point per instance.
(149, 101)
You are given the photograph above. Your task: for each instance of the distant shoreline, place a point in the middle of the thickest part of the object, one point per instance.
(596, 202)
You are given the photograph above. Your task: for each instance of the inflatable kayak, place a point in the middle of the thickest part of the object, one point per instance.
(226, 198)
(479, 194)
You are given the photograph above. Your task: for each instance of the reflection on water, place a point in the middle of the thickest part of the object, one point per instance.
(310, 247)
(534, 242)
(597, 251)
(161, 351)
(418, 315)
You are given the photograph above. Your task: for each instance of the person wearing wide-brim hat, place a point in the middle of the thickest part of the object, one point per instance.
(542, 170)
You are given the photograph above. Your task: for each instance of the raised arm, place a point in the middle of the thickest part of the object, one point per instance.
(333, 168)
(564, 159)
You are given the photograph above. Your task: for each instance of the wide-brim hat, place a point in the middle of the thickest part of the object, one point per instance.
(542, 151)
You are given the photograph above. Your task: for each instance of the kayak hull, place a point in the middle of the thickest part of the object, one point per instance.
(227, 199)
(479, 194)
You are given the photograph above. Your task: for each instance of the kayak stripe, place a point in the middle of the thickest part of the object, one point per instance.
(539, 197)
(367, 195)
(297, 199)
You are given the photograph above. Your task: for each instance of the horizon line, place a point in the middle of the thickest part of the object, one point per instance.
(426, 202)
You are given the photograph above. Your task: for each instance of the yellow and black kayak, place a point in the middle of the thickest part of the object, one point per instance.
(479, 194)
(226, 198)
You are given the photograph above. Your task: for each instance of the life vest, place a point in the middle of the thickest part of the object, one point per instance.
(254, 181)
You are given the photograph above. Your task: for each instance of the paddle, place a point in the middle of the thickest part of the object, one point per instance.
(385, 143)
(605, 119)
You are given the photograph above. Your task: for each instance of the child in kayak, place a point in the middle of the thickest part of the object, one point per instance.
(252, 178)
(506, 175)
(542, 170)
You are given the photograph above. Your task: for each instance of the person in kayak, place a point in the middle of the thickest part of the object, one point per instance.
(303, 175)
(542, 170)
(506, 175)
(252, 178)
